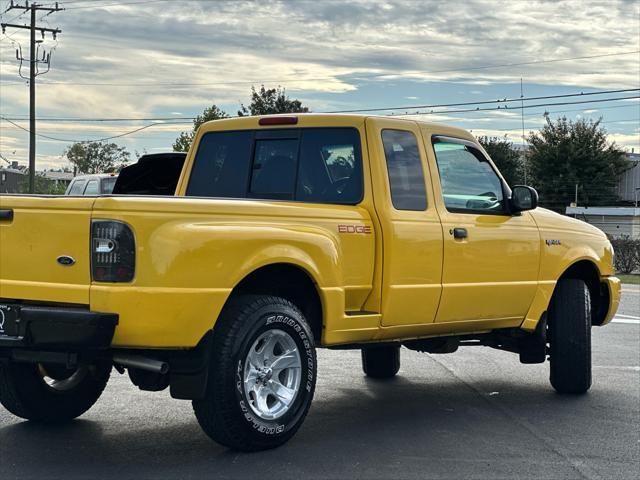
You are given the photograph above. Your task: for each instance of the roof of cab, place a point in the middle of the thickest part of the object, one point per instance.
(329, 120)
(89, 176)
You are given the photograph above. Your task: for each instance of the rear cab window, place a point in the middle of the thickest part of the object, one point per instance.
(319, 165)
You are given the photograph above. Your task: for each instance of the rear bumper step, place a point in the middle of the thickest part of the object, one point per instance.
(55, 327)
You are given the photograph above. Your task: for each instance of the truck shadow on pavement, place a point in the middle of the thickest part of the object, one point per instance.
(350, 431)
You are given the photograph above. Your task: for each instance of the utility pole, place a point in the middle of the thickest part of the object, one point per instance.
(524, 153)
(34, 61)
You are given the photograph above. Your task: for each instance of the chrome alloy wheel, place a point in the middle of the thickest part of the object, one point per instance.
(272, 374)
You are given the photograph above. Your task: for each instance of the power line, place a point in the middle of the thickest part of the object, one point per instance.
(439, 112)
(186, 123)
(515, 129)
(415, 107)
(505, 119)
(68, 140)
(582, 109)
(485, 102)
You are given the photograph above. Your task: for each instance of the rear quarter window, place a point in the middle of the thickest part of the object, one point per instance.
(404, 167)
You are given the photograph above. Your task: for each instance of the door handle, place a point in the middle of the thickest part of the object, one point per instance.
(6, 214)
(459, 232)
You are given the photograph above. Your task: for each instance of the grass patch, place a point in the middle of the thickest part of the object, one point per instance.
(634, 279)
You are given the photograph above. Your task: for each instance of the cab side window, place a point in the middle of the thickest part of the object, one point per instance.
(469, 183)
(93, 188)
(406, 178)
(77, 187)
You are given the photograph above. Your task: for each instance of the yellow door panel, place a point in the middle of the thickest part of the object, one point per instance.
(491, 259)
(493, 272)
(412, 239)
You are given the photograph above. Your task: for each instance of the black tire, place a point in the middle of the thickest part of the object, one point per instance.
(227, 413)
(381, 362)
(570, 337)
(26, 394)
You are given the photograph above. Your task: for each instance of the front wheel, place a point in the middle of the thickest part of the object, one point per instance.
(570, 337)
(262, 374)
(51, 393)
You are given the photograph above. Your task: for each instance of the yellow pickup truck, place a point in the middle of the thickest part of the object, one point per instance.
(285, 234)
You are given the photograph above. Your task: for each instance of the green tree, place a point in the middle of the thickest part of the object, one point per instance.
(97, 157)
(270, 101)
(184, 140)
(43, 185)
(564, 154)
(507, 159)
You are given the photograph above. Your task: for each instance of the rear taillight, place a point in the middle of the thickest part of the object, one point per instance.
(113, 251)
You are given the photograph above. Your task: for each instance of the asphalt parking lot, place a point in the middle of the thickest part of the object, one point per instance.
(477, 413)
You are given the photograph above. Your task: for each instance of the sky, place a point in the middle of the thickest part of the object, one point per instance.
(161, 62)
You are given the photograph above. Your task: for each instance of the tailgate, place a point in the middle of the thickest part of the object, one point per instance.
(41, 230)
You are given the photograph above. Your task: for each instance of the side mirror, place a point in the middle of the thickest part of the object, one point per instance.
(523, 198)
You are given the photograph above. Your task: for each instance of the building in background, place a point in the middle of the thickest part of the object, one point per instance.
(629, 185)
(10, 178)
(614, 221)
(59, 178)
(617, 221)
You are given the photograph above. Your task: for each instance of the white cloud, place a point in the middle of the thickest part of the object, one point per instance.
(187, 55)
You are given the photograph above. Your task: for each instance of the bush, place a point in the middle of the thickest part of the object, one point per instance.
(627, 254)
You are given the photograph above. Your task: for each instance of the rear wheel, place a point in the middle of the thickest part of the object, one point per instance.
(262, 375)
(570, 337)
(51, 393)
(381, 362)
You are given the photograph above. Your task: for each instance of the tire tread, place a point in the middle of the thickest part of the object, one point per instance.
(570, 337)
(215, 414)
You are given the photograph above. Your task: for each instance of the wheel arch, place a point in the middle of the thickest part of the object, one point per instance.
(290, 281)
(588, 271)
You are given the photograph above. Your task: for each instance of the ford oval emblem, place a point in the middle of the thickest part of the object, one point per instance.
(66, 260)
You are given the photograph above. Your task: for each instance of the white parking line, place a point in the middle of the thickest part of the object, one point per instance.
(635, 317)
(632, 368)
(626, 320)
